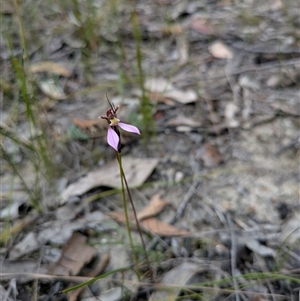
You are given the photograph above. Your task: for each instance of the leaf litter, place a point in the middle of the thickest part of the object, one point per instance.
(136, 170)
(242, 136)
(51, 67)
(75, 254)
(177, 278)
(150, 223)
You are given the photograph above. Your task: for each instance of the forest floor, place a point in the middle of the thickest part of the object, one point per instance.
(213, 87)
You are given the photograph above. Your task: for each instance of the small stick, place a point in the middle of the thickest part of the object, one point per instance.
(233, 252)
(180, 210)
(266, 66)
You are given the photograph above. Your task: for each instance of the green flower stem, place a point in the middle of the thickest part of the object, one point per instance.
(119, 157)
(124, 180)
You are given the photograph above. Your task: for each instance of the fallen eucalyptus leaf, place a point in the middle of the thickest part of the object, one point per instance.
(52, 89)
(258, 248)
(155, 206)
(4, 294)
(181, 275)
(158, 85)
(184, 120)
(28, 244)
(137, 170)
(161, 228)
(210, 155)
(114, 294)
(85, 124)
(201, 25)
(93, 272)
(22, 269)
(220, 51)
(182, 96)
(51, 67)
(75, 254)
(59, 231)
(11, 212)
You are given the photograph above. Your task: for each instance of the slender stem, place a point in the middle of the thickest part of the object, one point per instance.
(134, 212)
(126, 210)
(21, 29)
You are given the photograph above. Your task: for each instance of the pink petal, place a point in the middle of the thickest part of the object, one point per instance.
(129, 128)
(112, 138)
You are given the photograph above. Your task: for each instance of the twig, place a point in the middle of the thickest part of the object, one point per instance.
(260, 49)
(266, 66)
(197, 286)
(270, 286)
(156, 239)
(233, 252)
(196, 180)
(295, 143)
(11, 290)
(220, 212)
(180, 210)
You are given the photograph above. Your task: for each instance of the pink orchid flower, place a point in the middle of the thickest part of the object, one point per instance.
(113, 133)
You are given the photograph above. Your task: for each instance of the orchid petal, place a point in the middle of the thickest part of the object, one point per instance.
(129, 128)
(112, 138)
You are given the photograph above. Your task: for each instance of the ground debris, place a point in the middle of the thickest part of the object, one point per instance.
(220, 80)
(137, 171)
(75, 254)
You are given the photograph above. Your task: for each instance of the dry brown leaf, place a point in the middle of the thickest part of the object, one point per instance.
(183, 120)
(85, 124)
(159, 97)
(210, 155)
(100, 267)
(137, 170)
(160, 228)
(201, 25)
(155, 206)
(175, 29)
(220, 51)
(168, 101)
(7, 7)
(277, 5)
(179, 276)
(151, 224)
(75, 254)
(119, 216)
(51, 67)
